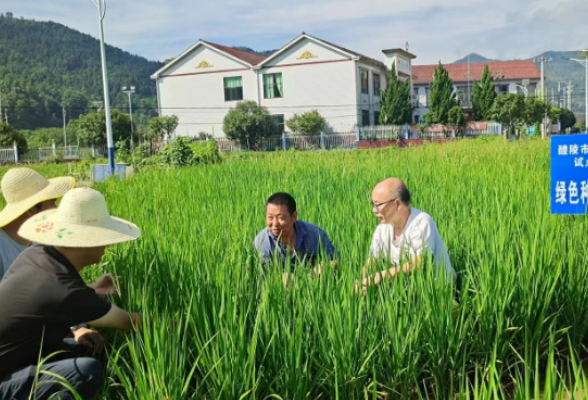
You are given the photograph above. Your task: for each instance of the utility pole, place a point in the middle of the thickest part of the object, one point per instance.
(584, 62)
(129, 92)
(543, 60)
(64, 129)
(101, 4)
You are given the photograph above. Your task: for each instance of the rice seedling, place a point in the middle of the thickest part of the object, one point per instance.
(518, 332)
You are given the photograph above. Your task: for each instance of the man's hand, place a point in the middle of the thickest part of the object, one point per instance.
(287, 279)
(90, 339)
(106, 285)
(318, 271)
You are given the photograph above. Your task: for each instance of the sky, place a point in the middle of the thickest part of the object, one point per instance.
(436, 30)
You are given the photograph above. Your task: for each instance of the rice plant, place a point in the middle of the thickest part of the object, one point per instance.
(221, 326)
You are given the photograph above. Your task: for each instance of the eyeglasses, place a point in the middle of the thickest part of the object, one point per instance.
(374, 205)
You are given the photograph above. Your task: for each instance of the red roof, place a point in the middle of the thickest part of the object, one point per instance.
(246, 56)
(503, 70)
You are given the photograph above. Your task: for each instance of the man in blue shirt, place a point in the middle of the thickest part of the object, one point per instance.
(289, 239)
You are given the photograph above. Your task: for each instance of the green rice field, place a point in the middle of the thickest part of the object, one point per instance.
(221, 326)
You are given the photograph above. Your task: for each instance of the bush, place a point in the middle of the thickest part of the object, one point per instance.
(309, 123)
(123, 154)
(177, 154)
(247, 123)
(205, 152)
(9, 135)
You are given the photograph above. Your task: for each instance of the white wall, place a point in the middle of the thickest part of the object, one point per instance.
(329, 88)
(371, 101)
(320, 52)
(199, 100)
(190, 64)
(328, 83)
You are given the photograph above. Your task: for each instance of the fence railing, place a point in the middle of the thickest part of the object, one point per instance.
(328, 142)
(68, 153)
(342, 140)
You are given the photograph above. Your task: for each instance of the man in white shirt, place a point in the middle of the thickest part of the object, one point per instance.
(404, 235)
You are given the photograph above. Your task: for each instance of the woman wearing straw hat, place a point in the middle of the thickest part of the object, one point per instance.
(27, 193)
(43, 294)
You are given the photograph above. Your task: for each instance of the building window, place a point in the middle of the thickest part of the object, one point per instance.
(233, 88)
(363, 74)
(365, 118)
(426, 97)
(376, 118)
(417, 119)
(502, 89)
(272, 86)
(376, 80)
(279, 120)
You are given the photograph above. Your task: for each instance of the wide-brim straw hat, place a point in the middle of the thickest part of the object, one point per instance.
(81, 220)
(24, 188)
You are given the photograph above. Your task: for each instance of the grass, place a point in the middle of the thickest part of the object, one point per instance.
(519, 331)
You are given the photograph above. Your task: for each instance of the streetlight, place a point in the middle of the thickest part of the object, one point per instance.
(101, 4)
(584, 62)
(543, 60)
(524, 85)
(129, 93)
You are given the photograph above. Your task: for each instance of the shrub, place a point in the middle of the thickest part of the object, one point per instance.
(247, 123)
(177, 154)
(309, 123)
(205, 152)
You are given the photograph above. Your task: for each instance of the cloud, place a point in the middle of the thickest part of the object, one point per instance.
(435, 30)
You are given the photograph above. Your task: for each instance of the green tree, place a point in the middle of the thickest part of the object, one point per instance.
(309, 123)
(567, 119)
(515, 111)
(9, 135)
(44, 137)
(92, 127)
(456, 117)
(441, 98)
(396, 107)
(75, 102)
(581, 125)
(484, 96)
(509, 110)
(535, 111)
(247, 123)
(45, 66)
(163, 126)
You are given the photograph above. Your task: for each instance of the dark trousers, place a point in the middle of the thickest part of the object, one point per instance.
(84, 374)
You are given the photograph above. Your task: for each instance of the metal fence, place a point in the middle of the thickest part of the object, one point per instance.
(328, 142)
(7, 156)
(68, 153)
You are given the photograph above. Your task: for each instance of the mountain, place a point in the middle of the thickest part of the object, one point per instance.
(559, 72)
(265, 53)
(474, 58)
(44, 65)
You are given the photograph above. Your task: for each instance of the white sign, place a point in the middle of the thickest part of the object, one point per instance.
(403, 65)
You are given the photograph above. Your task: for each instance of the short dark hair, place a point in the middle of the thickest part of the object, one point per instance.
(403, 194)
(283, 199)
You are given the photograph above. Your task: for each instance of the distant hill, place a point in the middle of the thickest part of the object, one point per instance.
(44, 65)
(559, 72)
(474, 58)
(265, 53)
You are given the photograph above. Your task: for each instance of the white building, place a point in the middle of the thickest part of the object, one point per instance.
(207, 80)
(509, 77)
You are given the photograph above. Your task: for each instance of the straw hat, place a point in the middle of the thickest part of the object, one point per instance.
(24, 188)
(81, 220)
